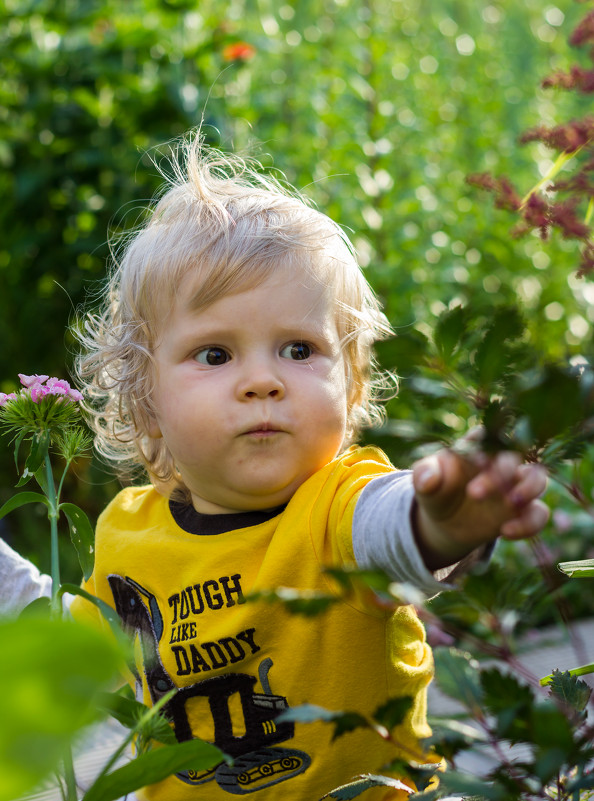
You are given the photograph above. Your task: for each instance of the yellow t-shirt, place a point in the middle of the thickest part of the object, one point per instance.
(237, 664)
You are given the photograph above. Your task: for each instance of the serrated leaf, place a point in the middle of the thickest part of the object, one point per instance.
(82, 536)
(509, 701)
(569, 690)
(154, 766)
(21, 499)
(365, 782)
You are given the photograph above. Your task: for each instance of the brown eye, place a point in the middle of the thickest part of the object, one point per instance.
(212, 356)
(298, 351)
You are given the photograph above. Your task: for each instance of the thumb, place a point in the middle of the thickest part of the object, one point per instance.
(427, 475)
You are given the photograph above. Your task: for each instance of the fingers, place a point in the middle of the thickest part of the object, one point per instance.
(531, 521)
(497, 476)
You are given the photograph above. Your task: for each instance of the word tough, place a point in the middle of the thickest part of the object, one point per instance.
(212, 594)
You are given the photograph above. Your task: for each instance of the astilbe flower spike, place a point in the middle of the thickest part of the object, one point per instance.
(584, 32)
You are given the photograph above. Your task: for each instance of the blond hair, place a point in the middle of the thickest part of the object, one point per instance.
(222, 219)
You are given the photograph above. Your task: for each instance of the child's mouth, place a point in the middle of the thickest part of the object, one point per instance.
(262, 431)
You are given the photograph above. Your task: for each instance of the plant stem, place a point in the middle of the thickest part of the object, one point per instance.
(71, 789)
(56, 604)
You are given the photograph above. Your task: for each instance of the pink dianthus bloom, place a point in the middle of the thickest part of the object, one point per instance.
(39, 386)
(4, 397)
(30, 380)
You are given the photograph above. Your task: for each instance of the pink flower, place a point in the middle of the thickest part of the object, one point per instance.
(37, 392)
(57, 386)
(41, 385)
(30, 380)
(4, 397)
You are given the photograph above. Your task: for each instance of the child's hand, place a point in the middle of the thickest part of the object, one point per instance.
(466, 501)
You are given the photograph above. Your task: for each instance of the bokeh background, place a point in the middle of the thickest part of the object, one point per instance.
(377, 109)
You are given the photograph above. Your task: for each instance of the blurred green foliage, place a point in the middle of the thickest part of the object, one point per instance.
(378, 109)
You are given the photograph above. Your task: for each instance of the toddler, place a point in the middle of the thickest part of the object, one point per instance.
(233, 361)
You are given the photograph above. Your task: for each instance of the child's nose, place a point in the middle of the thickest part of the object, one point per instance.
(261, 381)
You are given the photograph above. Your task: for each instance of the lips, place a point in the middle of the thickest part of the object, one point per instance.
(263, 430)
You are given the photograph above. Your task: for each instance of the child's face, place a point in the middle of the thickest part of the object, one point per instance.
(250, 393)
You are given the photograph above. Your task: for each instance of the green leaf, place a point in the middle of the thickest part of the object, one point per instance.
(404, 353)
(569, 689)
(299, 602)
(551, 401)
(430, 387)
(39, 447)
(108, 613)
(82, 536)
(365, 782)
(467, 786)
(451, 736)
(510, 702)
(40, 607)
(154, 766)
(582, 568)
(20, 500)
(392, 712)
(128, 712)
(449, 332)
(456, 673)
(492, 356)
(51, 671)
(17, 446)
(343, 721)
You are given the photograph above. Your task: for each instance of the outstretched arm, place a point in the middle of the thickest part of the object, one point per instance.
(20, 581)
(465, 501)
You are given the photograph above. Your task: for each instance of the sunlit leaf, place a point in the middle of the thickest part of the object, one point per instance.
(82, 536)
(365, 782)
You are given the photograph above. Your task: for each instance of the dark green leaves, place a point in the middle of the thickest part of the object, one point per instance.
(20, 500)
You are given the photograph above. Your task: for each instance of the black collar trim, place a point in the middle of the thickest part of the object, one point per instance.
(195, 522)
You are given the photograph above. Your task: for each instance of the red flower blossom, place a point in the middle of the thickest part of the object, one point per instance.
(506, 196)
(239, 51)
(536, 213)
(584, 31)
(564, 217)
(568, 138)
(577, 78)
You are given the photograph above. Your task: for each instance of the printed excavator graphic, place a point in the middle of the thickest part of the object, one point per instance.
(252, 741)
